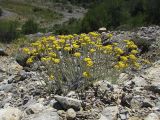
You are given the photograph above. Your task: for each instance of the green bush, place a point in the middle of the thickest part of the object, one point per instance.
(143, 44)
(29, 27)
(115, 13)
(0, 11)
(8, 31)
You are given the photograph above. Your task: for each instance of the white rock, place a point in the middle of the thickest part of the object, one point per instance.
(123, 77)
(110, 112)
(103, 118)
(48, 114)
(139, 81)
(9, 65)
(11, 113)
(71, 114)
(102, 29)
(36, 108)
(153, 75)
(71, 93)
(152, 116)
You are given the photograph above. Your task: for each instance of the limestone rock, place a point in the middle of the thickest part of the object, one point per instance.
(152, 116)
(147, 103)
(9, 65)
(103, 117)
(48, 114)
(71, 114)
(102, 29)
(3, 53)
(11, 113)
(139, 81)
(67, 102)
(110, 112)
(35, 108)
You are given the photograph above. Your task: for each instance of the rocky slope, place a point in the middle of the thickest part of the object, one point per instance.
(136, 97)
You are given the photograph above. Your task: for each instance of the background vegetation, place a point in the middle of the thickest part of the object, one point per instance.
(0, 11)
(121, 14)
(8, 31)
(115, 14)
(30, 27)
(118, 13)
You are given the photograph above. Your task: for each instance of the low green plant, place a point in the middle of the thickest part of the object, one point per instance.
(8, 31)
(142, 43)
(0, 11)
(30, 27)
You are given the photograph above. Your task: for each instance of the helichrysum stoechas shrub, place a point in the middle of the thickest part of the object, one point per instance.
(74, 62)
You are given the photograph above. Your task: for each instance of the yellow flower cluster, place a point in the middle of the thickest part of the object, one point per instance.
(84, 49)
(89, 62)
(128, 57)
(130, 44)
(77, 54)
(86, 74)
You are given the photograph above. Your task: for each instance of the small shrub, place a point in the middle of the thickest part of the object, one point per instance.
(30, 27)
(0, 11)
(21, 59)
(8, 31)
(74, 62)
(143, 43)
(37, 9)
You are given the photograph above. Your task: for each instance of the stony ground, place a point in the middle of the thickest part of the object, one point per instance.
(136, 97)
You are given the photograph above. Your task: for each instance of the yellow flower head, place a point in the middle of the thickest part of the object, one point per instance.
(94, 34)
(70, 36)
(56, 61)
(115, 44)
(119, 50)
(52, 54)
(26, 50)
(30, 60)
(108, 47)
(87, 59)
(132, 57)
(130, 44)
(77, 54)
(109, 35)
(89, 63)
(134, 51)
(75, 46)
(62, 41)
(83, 44)
(58, 47)
(43, 59)
(52, 38)
(121, 65)
(137, 65)
(67, 48)
(92, 50)
(86, 74)
(51, 77)
(123, 58)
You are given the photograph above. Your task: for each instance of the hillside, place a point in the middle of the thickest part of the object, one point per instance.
(45, 13)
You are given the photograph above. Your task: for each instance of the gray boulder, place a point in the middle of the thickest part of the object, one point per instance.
(48, 114)
(152, 116)
(67, 102)
(3, 53)
(110, 113)
(71, 114)
(11, 113)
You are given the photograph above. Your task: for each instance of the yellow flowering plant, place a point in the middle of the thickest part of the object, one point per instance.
(73, 62)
